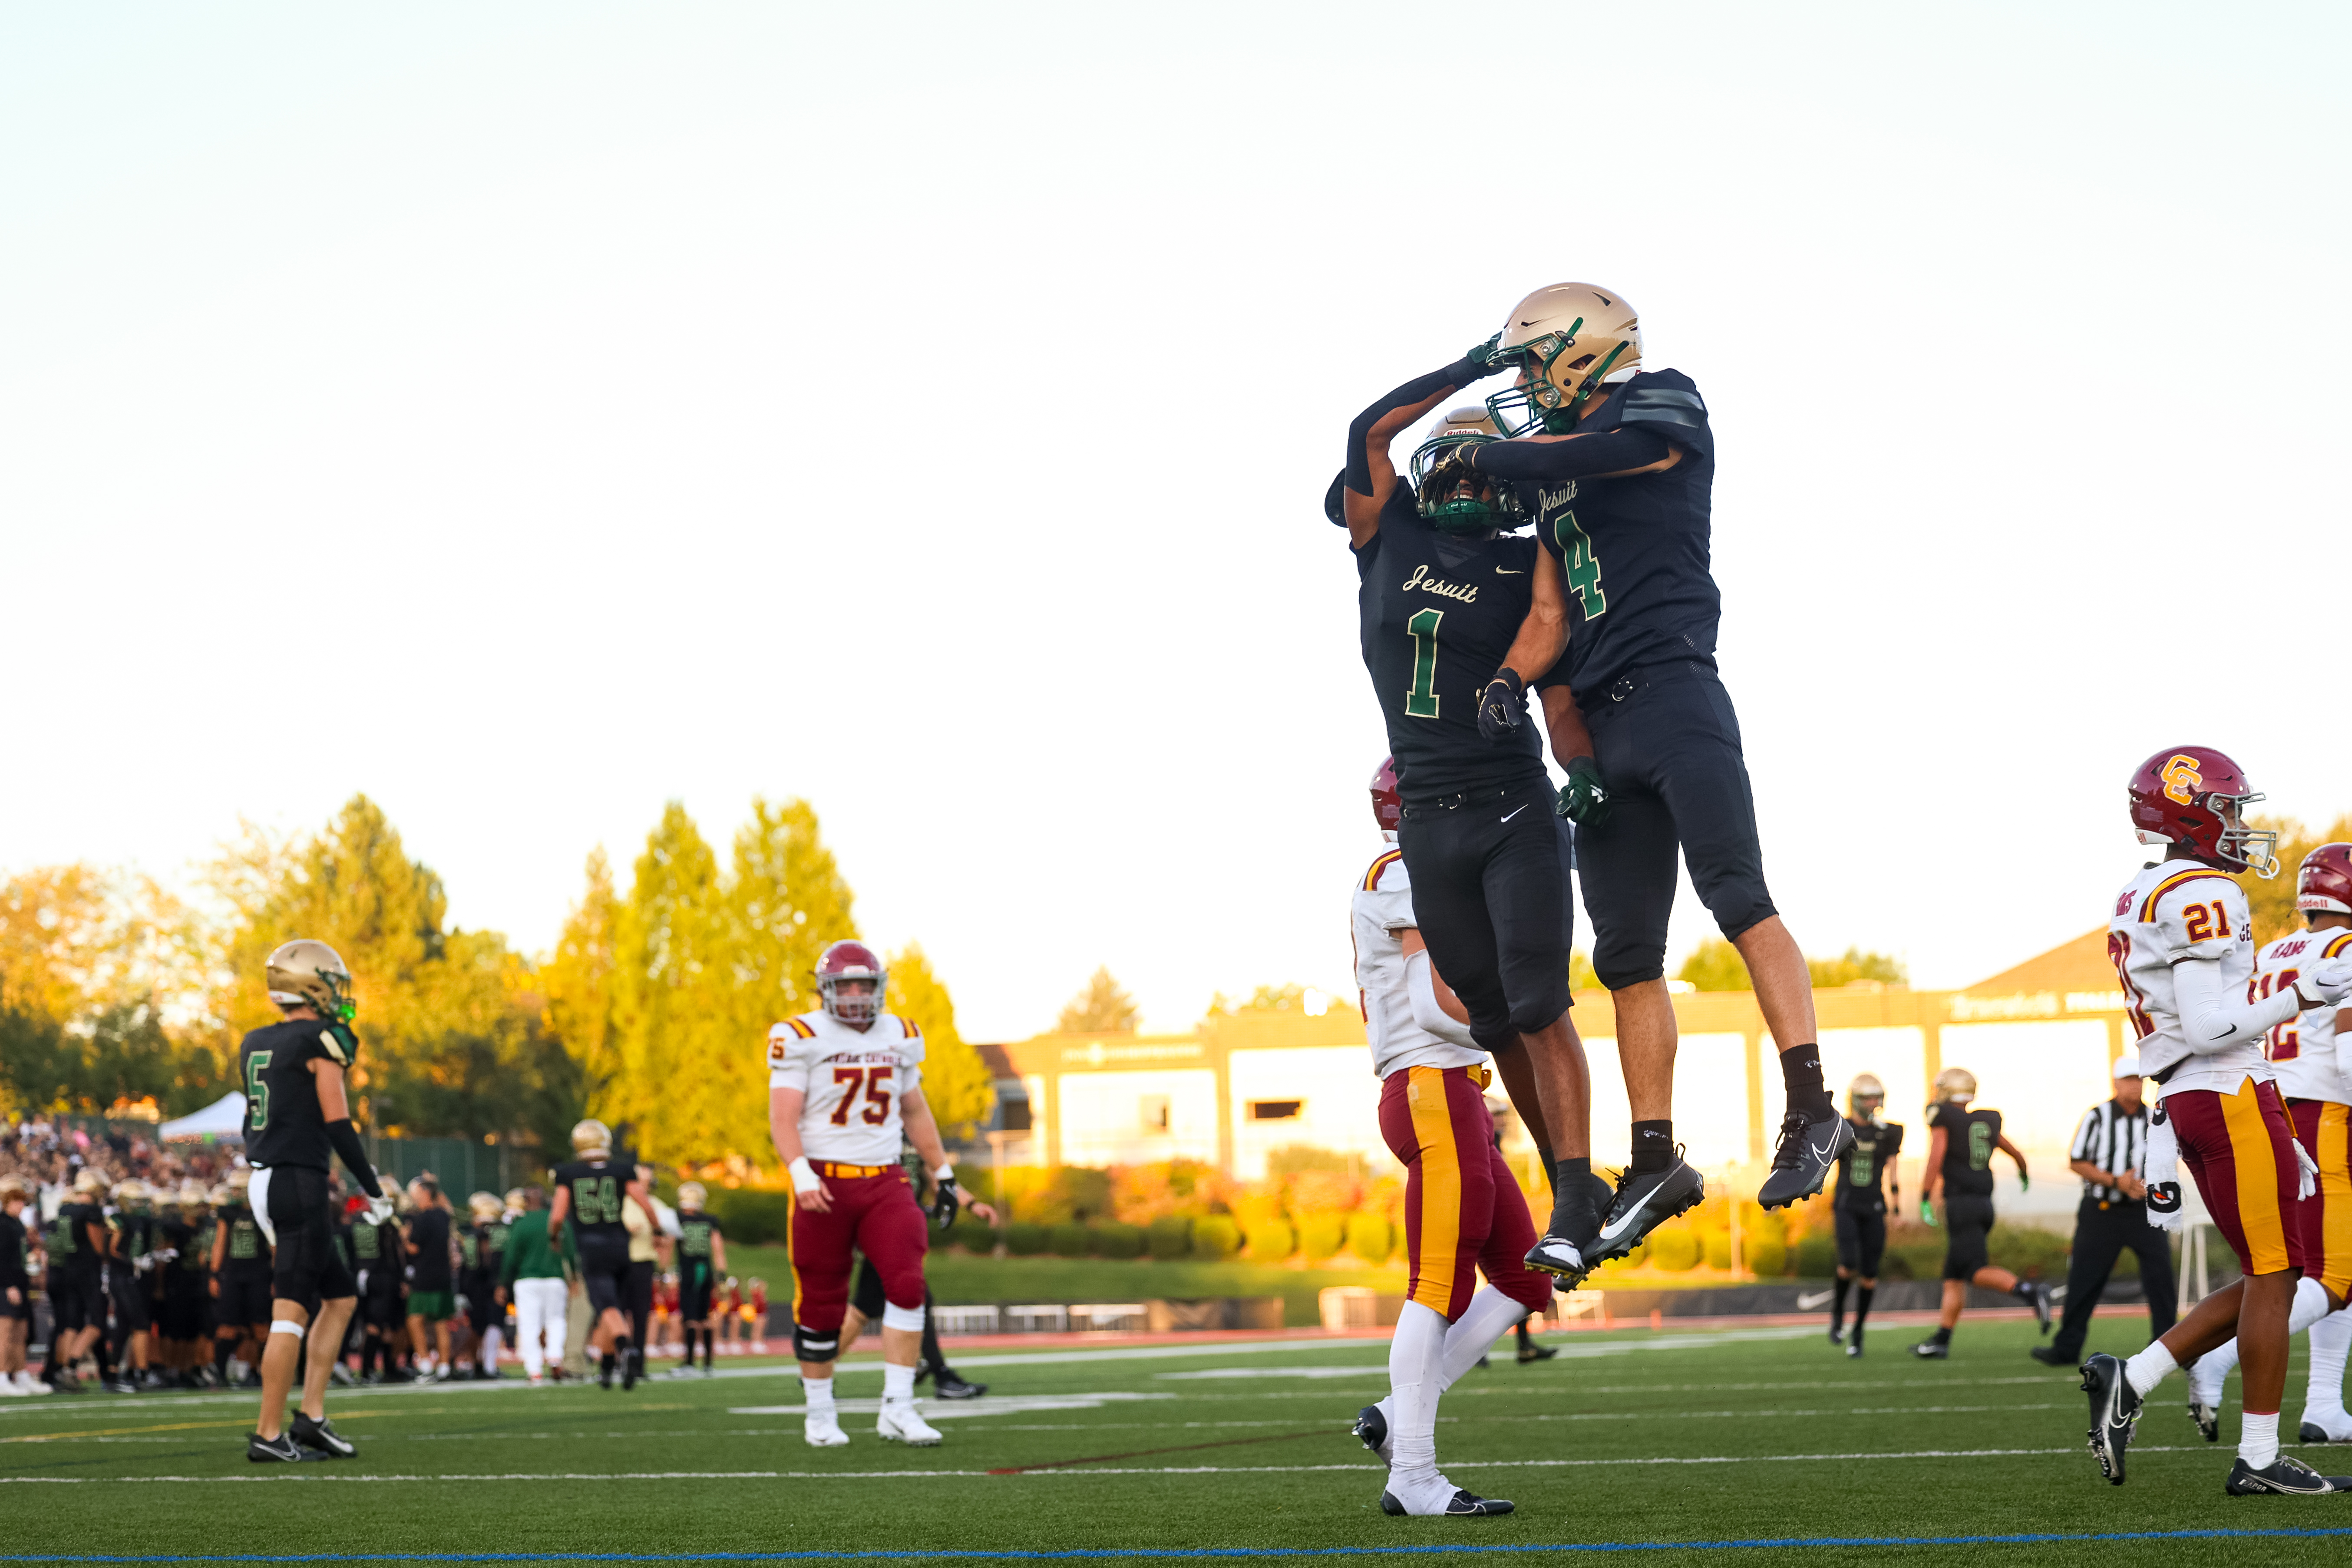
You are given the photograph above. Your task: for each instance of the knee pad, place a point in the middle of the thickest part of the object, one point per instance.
(909, 1318)
(813, 1345)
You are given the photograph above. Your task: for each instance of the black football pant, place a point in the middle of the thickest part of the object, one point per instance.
(2102, 1231)
(1490, 890)
(1668, 746)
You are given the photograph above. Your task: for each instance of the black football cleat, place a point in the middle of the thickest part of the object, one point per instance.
(1645, 1200)
(2050, 1355)
(2313, 1432)
(629, 1364)
(1371, 1429)
(2207, 1416)
(1462, 1504)
(1568, 1249)
(2286, 1477)
(1837, 1336)
(1933, 1350)
(2115, 1412)
(1809, 1146)
(322, 1436)
(280, 1450)
(1532, 1352)
(948, 1385)
(2040, 1302)
(1853, 1348)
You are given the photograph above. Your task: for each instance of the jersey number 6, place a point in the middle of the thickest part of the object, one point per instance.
(877, 1096)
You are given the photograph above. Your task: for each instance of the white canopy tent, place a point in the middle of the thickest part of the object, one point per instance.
(221, 1120)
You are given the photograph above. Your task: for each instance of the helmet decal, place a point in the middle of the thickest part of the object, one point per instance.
(2181, 778)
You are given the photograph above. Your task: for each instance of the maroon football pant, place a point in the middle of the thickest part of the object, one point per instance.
(877, 1216)
(1463, 1210)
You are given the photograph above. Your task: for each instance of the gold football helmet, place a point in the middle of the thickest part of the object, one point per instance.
(1956, 1086)
(592, 1137)
(1866, 1096)
(485, 1206)
(307, 974)
(692, 1196)
(1564, 341)
(1452, 498)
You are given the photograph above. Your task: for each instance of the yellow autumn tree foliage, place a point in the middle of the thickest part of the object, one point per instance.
(955, 1083)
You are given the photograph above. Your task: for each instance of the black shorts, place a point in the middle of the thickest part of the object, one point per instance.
(182, 1317)
(380, 1305)
(1670, 754)
(637, 1304)
(244, 1298)
(78, 1298)
(695, 1282)
(21, 1309)
(1861, 1242)
(306, 1267)
(1490, 888)
(135, 1309)
(475, 1300)
(1967, 1223)
(605, 1271)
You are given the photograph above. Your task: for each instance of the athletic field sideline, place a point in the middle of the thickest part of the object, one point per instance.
(1757, 1445)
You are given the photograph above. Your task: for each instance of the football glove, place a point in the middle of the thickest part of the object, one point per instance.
(945, 1199)
(378, 1210)
(1480, 361)
(2324, 983)
(1926, 1211)
(1584, 798)
(1500, 705)
(2024, 1182)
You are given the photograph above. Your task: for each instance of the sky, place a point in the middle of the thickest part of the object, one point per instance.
(531, 414)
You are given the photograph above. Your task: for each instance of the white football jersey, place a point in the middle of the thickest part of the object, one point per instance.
(2305, 1052)
(852, 1081)
(2175, 910)
(1382, 909)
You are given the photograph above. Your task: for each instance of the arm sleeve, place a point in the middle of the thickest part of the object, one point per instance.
(1425, 1010)
(2215, 1016)
(1894, 1147)
(1357, 475)
(348, 1147)
(1580, 456)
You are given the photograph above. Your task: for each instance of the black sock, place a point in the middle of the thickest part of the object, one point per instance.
(1551, 1171)
(1943, 1336)
(221, 1349)
(1862, 1296)
(1837, 1302)
(1801, 1073)
(2022, 1289)
(1570, 1174)
(1653, 1145)
(1526, 1339)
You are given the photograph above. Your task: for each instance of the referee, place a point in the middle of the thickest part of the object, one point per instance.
(2110, 1153)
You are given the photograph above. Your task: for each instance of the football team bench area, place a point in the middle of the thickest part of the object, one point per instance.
(1747, 1444)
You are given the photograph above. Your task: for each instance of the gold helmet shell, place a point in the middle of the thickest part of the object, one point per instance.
(1955, 1085)
(239, 1178)
(485, 1206)
(692, 1195)
(131, 1190)
(15, 1187)
(88, 1180)
(1564, 340)
(307, 974)
(592, 1137)
(1865, 1095)
(1437, 477)
(514, 1198)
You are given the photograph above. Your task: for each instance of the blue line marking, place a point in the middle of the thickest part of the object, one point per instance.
(1117, 1553)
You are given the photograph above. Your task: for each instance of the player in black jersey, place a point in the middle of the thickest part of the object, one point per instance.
(701, 1264)
(77, 1280)
(431, 1279)
(1457, 620)
(1865, 1171)
(480, 1241)
(16, 1239)
(1960, 1145)
(298, 1123)
(589, 1191)
(1617, 475)
(131, 1286)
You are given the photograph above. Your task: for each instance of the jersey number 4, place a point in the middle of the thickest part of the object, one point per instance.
(877, 1098)
(1583, 567)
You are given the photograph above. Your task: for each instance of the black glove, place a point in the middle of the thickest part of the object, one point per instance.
(1500, 705)
(945, 1201)
(1584, 798)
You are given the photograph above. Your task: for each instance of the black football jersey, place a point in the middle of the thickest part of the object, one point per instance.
(598, 1188)
(428, 1242)
(248, 1249)
(1861, 1170)
(1970, 1136)
(694, 1233)
(70, 1241)
(1635, 552)
(133, 1233)
(1437, 613)
(283, 1124)
(14, 1240)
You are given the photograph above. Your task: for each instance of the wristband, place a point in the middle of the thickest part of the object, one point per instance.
(945, 1174)
(803, 1175)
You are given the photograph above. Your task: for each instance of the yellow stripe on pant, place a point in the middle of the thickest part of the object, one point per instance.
(2335, 1157)
(2254, 1172)
(1440, 1216)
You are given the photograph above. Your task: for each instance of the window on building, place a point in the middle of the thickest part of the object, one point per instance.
(1275, 1110)
(1155, 1113)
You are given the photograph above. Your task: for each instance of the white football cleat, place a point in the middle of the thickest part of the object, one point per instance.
(899, 1424)
(822, 1430)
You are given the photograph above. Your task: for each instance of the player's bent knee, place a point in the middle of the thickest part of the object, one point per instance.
(1618, 973)
(818, 1345)
(908, 1319)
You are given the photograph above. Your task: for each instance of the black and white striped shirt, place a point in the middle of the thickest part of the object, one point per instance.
(2116, 1140)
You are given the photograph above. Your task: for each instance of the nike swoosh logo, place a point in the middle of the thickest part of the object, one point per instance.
(1507, 572)
(1515, 812)
(1807, 1303)
(1823, 1152)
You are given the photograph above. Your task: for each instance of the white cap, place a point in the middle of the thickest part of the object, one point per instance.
(2126, 1066)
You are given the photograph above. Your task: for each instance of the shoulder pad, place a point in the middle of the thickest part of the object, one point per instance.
(912, 1030)
(2337, 948)
(1659, 401)
(2150, 905)
(1388, 869)
(1334, 506)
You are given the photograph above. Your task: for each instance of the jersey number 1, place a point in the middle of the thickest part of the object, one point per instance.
(1421, 701)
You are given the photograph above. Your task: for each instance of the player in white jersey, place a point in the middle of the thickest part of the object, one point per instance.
(1463, 1210)
(845, 1087)
(2182, 943)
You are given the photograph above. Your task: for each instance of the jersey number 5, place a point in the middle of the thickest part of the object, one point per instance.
(877, 1096)
(257, 1090)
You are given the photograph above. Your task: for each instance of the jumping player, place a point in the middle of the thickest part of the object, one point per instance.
(845, 1083)
(2183, 946)
(298, 1123)
(1457, 620)
(590, 1190)
(1463, 1211)
(1866, 1173)
(1961, 1140)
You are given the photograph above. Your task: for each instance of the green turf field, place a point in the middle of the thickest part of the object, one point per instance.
(1632, 1437)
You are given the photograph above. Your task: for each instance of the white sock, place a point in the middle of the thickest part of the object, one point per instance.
(2311, 1304)
(2148, 1368)
(898, 1384)
(817, 1392)
(2208, 1372)
(2258, 1439)
(1414, 1353)
(2331, 1337)
(1488, 1317)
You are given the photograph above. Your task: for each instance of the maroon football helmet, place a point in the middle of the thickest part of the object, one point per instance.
(1387, 807)
(2323, 886)
(2196, 795)
(851, 960)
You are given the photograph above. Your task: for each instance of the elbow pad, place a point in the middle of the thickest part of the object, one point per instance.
(1359, 474)
(346, 1141)
(1419, 990)
(2211, 1020)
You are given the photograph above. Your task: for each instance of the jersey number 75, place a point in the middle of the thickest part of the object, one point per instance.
(876, 1099)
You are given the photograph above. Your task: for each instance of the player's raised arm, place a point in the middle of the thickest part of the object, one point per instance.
(1371, 478)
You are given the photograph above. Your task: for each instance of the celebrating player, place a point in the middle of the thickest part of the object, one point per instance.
(298, 1122)
(1961, 1140)
(1463, 1210)
(844, 1084)
(1457, 620)
(1859, 1205)
(590, 1190)
(1615, 466)
(2183, 946)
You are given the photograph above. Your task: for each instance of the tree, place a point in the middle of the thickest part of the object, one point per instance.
(787, 903)
(1580, 974)
(1716, 966)
(2272, 901)
(1265, 999)
(1102, 1009)
(955, 1083)
(674, 1005)
(1855, 965)
(577, 982)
